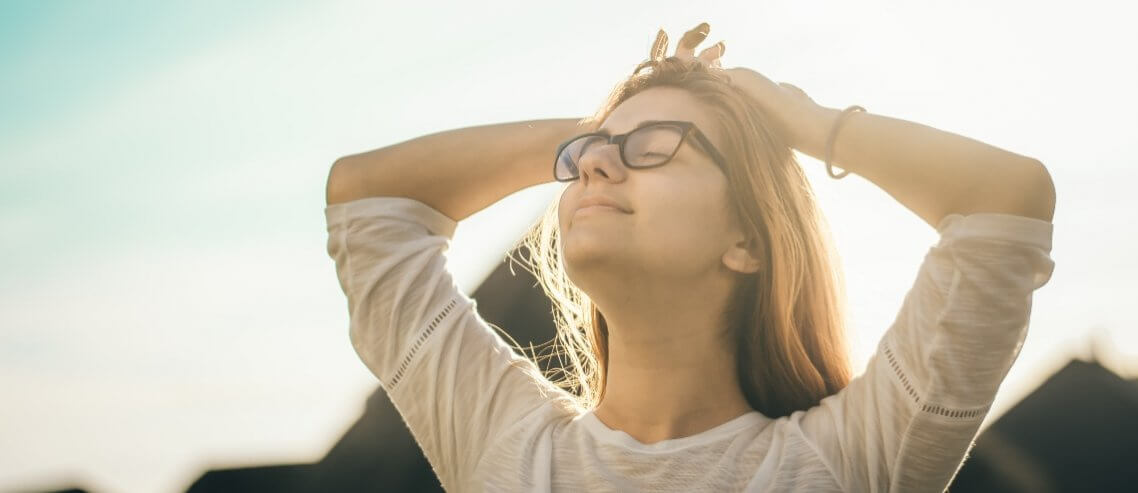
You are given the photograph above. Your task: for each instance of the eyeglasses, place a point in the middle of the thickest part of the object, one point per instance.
(653, 143)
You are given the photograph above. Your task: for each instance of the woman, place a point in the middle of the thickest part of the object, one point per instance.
(699, 299)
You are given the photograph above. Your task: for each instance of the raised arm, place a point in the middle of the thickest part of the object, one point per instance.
(457, 172)
(391, 213)
(907, 423)
(932, 172)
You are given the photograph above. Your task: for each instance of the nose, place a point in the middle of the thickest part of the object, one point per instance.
(604, 162)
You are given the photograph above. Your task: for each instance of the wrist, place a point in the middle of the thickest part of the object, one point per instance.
(814, 130)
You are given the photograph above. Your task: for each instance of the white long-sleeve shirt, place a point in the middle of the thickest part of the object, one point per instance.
(488, 421)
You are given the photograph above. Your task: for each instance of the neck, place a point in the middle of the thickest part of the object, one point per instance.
(671, 361)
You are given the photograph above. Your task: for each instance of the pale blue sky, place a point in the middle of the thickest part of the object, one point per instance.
(166, 292)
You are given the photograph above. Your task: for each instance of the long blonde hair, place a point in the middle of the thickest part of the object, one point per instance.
(789, 317)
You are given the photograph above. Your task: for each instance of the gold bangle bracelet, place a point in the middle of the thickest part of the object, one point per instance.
(833, 136)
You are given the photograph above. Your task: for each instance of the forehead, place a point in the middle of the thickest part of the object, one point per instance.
(660, 103)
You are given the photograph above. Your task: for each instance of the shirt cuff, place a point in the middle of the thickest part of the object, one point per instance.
(1007, 227)
(396, 207)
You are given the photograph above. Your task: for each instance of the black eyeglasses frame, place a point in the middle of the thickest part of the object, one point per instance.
(686, 127)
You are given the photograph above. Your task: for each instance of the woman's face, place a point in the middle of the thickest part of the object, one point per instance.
(678, 225)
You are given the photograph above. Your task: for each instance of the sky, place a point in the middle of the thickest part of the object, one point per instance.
(167, 304)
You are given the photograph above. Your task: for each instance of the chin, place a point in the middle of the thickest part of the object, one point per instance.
(587, 254)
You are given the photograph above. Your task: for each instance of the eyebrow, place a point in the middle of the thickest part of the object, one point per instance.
(645, 123)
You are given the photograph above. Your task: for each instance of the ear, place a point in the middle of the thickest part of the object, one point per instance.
(742, 256)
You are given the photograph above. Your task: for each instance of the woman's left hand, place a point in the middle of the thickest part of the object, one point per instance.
(795, 116)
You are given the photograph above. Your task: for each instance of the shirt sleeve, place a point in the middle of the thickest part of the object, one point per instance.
(455, 382)
(908, 422)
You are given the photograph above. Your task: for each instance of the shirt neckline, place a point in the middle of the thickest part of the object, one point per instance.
(602, 432)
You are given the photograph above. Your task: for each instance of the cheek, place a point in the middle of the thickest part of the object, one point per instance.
(689, 205)
(686, 228)
(562, 211)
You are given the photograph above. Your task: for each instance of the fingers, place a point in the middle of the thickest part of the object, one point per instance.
(686, 47)
(659, 47)
(792, 88)
(711, 54)
(795, 89)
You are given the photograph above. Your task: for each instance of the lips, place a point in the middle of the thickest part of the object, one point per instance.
(601, 200)
(597, 208)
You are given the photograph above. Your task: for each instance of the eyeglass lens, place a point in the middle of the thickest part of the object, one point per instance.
(645, 147)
